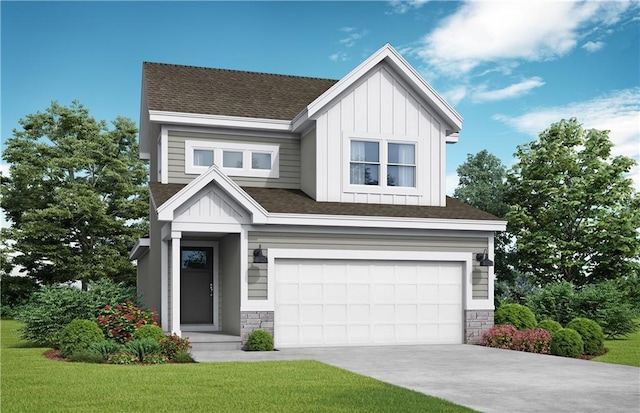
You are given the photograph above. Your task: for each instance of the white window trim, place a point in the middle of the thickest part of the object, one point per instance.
(382, 187)
(246, 149)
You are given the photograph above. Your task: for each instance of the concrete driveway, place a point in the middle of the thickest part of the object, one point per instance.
(485, 379)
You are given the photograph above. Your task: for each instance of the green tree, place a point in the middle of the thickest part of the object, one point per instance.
(483, 184)
(76, 197)
(574, 213)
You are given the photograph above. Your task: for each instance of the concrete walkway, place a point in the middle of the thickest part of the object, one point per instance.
(485, 379)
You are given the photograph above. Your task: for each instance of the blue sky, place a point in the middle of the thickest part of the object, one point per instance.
(509, 68)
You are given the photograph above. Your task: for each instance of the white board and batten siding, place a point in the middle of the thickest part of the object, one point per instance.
(289, 158)
(380, 106)
(257, 273)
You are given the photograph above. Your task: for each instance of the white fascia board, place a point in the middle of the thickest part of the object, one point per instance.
(385, 222)
(140, 248)
(452, 138)
(198, 119)
(388, 53)
(213, 174)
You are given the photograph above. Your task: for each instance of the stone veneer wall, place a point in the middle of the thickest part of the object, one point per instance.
(254, 320)
(476, 323)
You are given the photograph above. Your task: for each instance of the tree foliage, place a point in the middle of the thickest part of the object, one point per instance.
(76, 196)
(574, 214)
(483, 184)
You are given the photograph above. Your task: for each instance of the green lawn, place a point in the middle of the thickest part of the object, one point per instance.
(32, 383)
(623, 351)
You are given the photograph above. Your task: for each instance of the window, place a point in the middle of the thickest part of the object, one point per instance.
(202, 157)
(401, 165)
(260, 160)
(382, 163)
(365, 163)
(233, 158)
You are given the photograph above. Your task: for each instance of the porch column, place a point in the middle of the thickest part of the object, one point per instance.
(175, 282)
(164, 285)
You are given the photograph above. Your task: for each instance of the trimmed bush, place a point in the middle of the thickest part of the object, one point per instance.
(591, 334)
(122, 358)
(551, 326)
(533, 341)
(148, 331)
(501, 336)
(174, 344)
(142, 349)
(260, 340)
(517, 315)
(50, 309)
(121, 321)
(553, 301)
(105, 348)
(79, 335)
(567, 343)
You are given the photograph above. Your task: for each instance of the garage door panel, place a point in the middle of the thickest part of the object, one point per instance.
(348, 302)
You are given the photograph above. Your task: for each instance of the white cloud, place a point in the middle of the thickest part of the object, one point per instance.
(455, 95)
(618, 112)
(509, 92)
(592, 46)
(403, 6)
(452, 181)
(338, 57)
(481, 32)
(352, 36)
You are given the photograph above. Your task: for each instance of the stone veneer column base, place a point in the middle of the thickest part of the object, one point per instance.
(476, 323)
(254, 320)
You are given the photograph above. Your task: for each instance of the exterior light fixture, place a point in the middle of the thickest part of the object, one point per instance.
(482, 257)
(258, 257)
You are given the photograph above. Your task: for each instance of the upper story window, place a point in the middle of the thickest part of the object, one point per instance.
(371, 159)
(365, 163)
(235, 159)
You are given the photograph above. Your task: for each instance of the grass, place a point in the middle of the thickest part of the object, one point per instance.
(623, 351)
(33, 383)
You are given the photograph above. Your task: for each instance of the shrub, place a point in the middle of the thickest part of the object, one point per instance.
(501, 336)
(51, 308)
(567, 343)
(121, 321)
(533, 341)
(122, 358)
(155, 358)
(591, 333)
(105, 348)
(173, 344)
(87, 355)
(551, 326)
(183, 357)
(554, 301)
(15, 292)
(517, 315)
(77, 335)
(142, 348)
(606, 304)
(260, 340)
(148, 331)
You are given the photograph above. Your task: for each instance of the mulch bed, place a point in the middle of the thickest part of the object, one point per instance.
(55, 355)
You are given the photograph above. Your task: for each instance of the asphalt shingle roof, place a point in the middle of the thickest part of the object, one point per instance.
(293, 201)
(191, 89)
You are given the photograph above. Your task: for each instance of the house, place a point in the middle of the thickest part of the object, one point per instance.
(312, 208)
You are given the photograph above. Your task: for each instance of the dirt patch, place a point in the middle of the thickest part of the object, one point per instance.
(55, 355)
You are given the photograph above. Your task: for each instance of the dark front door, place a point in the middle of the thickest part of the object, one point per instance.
(196, 285)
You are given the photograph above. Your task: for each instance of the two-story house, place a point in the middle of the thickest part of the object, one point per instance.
(315, 209)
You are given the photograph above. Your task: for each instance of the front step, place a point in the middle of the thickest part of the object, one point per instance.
(212, 341)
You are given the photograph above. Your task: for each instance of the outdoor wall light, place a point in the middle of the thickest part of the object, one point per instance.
(482, 257)
(259, 258)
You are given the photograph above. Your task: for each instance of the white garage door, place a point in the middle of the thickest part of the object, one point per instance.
(353, 302)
